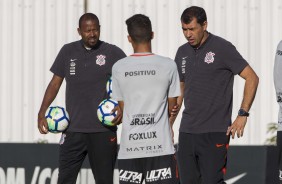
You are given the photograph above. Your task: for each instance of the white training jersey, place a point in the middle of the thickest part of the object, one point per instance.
(277, 74)
(144, 81)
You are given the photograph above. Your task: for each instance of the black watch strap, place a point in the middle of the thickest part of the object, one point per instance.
(242, 112)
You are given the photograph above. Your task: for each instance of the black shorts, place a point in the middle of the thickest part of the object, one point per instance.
(153, 170)
(202, 157)
(101, 148)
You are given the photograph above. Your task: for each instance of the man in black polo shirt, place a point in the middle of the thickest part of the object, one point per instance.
(86, 65)
(207, 65)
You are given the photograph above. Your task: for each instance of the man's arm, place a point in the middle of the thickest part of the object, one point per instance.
(121, 105)
(50, 94)
(172, 102)
(119, 110)
(251, 84)
(117, 95)
(175, 110)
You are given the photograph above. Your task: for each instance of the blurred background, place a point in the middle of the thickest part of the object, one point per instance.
(33, 31)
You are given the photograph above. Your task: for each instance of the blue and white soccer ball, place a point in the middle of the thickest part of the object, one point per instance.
(57, 119)
(104, 111)
(109, 87)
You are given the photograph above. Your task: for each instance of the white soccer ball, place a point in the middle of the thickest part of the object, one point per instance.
(109, 87)
(57, 119)
(104, 111)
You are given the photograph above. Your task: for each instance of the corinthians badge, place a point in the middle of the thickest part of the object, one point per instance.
(100, 60)
(209, 57)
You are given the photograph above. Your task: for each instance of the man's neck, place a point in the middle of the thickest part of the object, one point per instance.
(142, 47)
(205, 36)
(96, 46)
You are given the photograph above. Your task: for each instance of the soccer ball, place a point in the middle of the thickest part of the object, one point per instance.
(104, 111)
(57, 119)
(109, 87)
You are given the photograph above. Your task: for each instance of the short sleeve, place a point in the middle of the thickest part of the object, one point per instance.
(180, 68)
(58, 67)
(233, 59)
(117, 95)
(174, 88)
(117, 53)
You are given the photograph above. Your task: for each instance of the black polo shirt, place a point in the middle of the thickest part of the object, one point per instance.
(86, 73)
(208, 73)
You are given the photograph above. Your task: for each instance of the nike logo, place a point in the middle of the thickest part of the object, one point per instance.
(219, 145)
(73, 59)
(235, 179)
(113, 139)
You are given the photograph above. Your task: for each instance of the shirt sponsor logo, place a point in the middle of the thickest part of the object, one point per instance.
(130, 176)
(148, 149)
(144, 135)
(158, 174)
(140, 73)
(72, 66)
(209, 57)
(101, 60)
(279, 52)
(143, 119)
(183, 64)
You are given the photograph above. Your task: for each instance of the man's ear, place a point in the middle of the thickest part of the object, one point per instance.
(129, 38)
(205, 25)
(78, 30)
(152, 35)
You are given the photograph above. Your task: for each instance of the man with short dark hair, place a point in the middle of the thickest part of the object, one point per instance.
(86, 65)
(146, 86)
(207, 65)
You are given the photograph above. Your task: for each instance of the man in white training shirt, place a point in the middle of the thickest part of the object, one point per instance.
(146, 86)
(277, 75)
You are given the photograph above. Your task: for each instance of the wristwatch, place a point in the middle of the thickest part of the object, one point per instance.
(242, 112)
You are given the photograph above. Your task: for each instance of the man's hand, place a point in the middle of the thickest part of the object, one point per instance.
(42, 125)
(173, 114)
(237, 127)
(175, 110)
(118, 119)
(50, 94)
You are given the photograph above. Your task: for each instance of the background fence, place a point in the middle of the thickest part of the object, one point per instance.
(33, 31)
